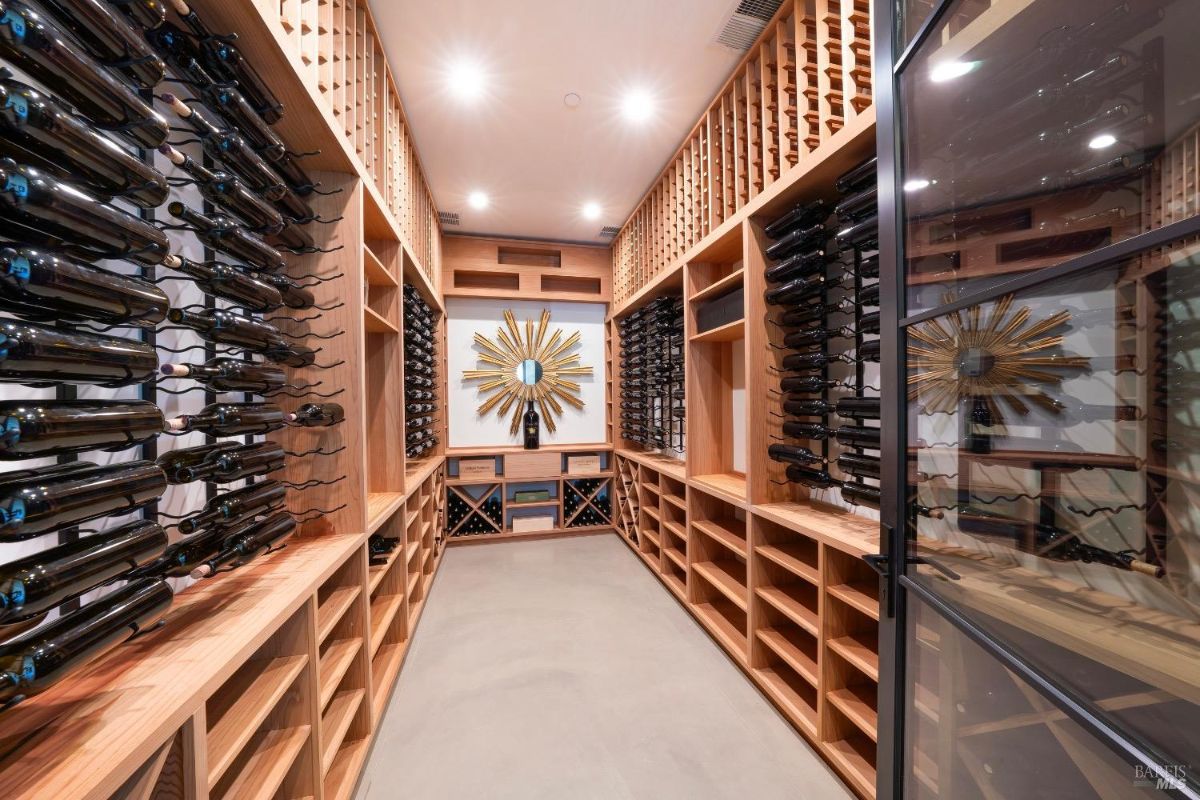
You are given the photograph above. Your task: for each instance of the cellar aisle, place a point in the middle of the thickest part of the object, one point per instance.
(561, 669)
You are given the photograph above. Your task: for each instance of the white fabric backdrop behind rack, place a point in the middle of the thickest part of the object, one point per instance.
(467, 316)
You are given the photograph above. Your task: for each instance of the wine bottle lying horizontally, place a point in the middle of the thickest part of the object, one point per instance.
(317, 415)
(51, 498)
(40, 286)
(230, 419)
(39, 130)
(228, 283)
(233, 508)
(223, 234)
(222, 189)
(36, 45)
(236, 463)
(175, 463)
(39, 428)
(37, 583)
(38, 209)
(230, 375)
(109, 38)
(34, 661)
(227, 327)
(246, 547)
(39, 355)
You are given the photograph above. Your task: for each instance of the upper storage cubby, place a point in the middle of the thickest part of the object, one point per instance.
(477, 267)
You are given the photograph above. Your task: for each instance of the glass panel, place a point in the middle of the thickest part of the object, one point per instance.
(1055, 449)
(915, 12)
(1038, 130)
(976, 730)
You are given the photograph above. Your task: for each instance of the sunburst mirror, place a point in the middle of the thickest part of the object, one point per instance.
(1003, 359)
(528, 362)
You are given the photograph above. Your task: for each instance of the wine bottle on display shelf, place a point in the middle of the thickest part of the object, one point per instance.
(37, 129)
(176, 462)
(801, 240)
(40, 286)
(860, 494)
(230, 375)
(812, 478)
(39, 355)
(226, 327)
(858, 436)
(37, 583)
(231, 104)
(863, 235)
(857, 179)
(812, 337)
(800, 289)
(806, 430)
(230, 419)
(39, 428)
(38, 209)
(869, 323)
(868, 267)
(810, 384)
(857, 206)
(36, 45)
(291, 355)
(810, 362)
(869, 351)
(34, 661)
(243, 461)
(49, 499)
(228, 283)
(242, 549)
(317, 415)
(800, 316)
(802, 215)
(294, 295)
(224, 190)
(795, 455)
(232, 507)
(858, 407)
(180, 558)
(806, 408)
(221, 233)
(859, 465)
(109, 38)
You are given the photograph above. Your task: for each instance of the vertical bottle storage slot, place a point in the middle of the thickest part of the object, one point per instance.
(652, 377)
(784, 652)
(259, 739)
(673, 528)
(429, 515)
(344, 651)
(719, 579)
(389, 623)
(422, 366)
(413, 557)
(628, 475)
(649, 525)
(385, 465)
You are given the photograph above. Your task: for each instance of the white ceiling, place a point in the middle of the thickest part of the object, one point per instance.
(538, 160)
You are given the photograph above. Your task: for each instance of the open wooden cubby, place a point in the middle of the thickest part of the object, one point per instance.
(719, 574)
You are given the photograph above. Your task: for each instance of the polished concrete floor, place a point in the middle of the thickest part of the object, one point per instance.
(562, 669)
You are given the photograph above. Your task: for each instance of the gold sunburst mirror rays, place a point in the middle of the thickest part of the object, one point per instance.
(1004, 359)
(528, 362)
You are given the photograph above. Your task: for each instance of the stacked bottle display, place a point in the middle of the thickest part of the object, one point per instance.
(652, 377)
(824, 293)
(420, 376)
(80, 194)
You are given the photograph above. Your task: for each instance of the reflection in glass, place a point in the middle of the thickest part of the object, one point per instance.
(1035, 132)
(529, 372)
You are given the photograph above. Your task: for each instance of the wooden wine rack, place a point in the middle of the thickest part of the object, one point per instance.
(801, 92)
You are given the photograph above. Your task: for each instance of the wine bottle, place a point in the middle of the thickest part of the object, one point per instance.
(242, 549)
(244, 461)
(147, 13)
(795, 455)
(809, 362)
(869, 351)
(418, 408)
(224, 190)
(294, 295)
(37, 129)
(801, 265)
(221, 233)
(869, 296)
(863, 234)
(225, 61)
(858, 407)
(230, 375)
(226, 327)
(44, 287)
(176, 462)
(37, 504)
(36, 208)
(799, 240)
(230, 419)
(800, 289)
(38, 428)
(811, 337)
(802, 215)
(869, 323)
(110, 39)
(868, 267)
(291, 236)
(180, 558)
(859, 465)
(806, 408)
(39, 355)
(809, 384)
(317, 415)
(812, 478)
(34, 44)
(858, 436)
(860, 494)
(291, 355)
(34, 661)
(37, 583)
(856, 179)
(235, 506)
(231, 104)
(807, 314)
(228, 283)
(857, 206)
(806, 430)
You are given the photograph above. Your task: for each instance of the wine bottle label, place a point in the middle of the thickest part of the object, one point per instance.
(16, 23)
(13, 515)
(17, 186)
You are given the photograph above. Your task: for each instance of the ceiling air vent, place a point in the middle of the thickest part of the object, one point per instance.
(448, 218)
(609, 232)
(745, 22)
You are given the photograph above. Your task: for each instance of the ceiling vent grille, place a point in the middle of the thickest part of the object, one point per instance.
(609, 232)
(746, 22)
(449, 218)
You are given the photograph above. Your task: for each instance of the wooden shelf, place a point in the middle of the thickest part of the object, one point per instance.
(257, 688)
(833, 526)
(728, 584)
(857, 765)
(731, 637)
(343, 772)
(335, 722)
(793, 656)
(729, 332)
(383, 611)
(791, 608)
(330, 612)
(381, 506)
(790, 558)
(719, 287)
(375, 323)
(676, 501)
(798, 708)
(676, 557)
(721, 532)
(859, 596)
(860, 650)
(334, 665)
(729, 487)
(374, 270)
(672, 467)
(675, 584)
(674, 529)
(551, 503)
(273, 754)
(858, 704)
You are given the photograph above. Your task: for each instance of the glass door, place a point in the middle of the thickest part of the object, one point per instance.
(1045, 569)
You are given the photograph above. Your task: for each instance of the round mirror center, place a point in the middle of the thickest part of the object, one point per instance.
(529, 371)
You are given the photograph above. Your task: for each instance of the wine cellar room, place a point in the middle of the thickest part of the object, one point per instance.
(599, 399)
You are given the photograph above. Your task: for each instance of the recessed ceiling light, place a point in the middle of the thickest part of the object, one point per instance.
(916, 184)
(1102, 141)
(466, 80)
(637, 105)
(477, 200)
(572, 100)
(949, 70)
(591, 211)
